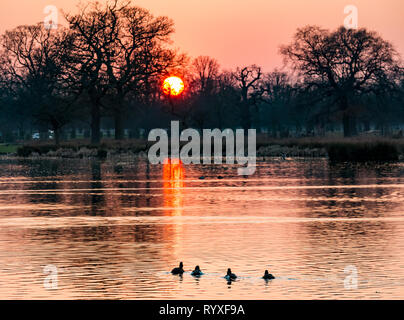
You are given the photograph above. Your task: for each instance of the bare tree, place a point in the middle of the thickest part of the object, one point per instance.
(33, 61)
(206, 70)
(204, 84)
(140, 56)
(95, 31)
(277, 95)
(125, 50)
(344, 63)
(247, 80)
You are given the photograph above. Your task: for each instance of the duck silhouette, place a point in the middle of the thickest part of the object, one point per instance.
(268, 276)
(178, 270)
(230, 276)
(197, 272)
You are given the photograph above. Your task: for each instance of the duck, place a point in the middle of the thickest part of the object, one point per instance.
(178, 270)
(230, 276)
(268, 276)
(197, 272)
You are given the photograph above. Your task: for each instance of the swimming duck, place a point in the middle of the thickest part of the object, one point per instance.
(178, 270)
(230, 276)
(268, 276)
(197, 272)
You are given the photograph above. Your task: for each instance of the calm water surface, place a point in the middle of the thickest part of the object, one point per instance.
(115, 229)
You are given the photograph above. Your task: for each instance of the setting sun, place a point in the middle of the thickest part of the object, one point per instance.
(173, 86)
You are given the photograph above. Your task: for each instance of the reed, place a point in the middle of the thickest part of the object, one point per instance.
(359, 149)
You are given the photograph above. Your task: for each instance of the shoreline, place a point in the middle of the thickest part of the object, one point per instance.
(360, 149)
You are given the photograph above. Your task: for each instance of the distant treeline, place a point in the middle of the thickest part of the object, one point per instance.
(104, 72)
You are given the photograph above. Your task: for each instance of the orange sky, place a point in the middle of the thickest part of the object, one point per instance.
(238, 32)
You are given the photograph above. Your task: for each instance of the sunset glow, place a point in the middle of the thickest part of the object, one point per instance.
(173, 86)
(169, 153)
(266, 24)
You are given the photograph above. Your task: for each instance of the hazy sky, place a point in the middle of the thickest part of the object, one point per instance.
(238, 32)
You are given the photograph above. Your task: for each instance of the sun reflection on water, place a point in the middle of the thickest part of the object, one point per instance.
(173, 182)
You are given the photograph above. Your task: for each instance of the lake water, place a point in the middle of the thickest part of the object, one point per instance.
(114, 230)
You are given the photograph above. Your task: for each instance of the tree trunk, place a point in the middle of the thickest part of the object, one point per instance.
(43, 134)
(56, 132)
(366, 125)
(21, 132)
(119, 130)
(73, 133)
(246, 115)
(95, 123)
(353, 128)
(348, 120)
(346, 125)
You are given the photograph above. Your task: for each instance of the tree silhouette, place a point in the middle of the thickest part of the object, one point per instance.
(277, 97)
(139, 57)
(123, 50)
(206, 71)
(34, 64)
(95, 31)
(204, 83)
(344, 64)
(110, 61)
(247, 80)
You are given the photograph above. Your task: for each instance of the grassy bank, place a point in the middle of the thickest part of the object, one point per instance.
(81, 148)
(8, 148)
(337, 149)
